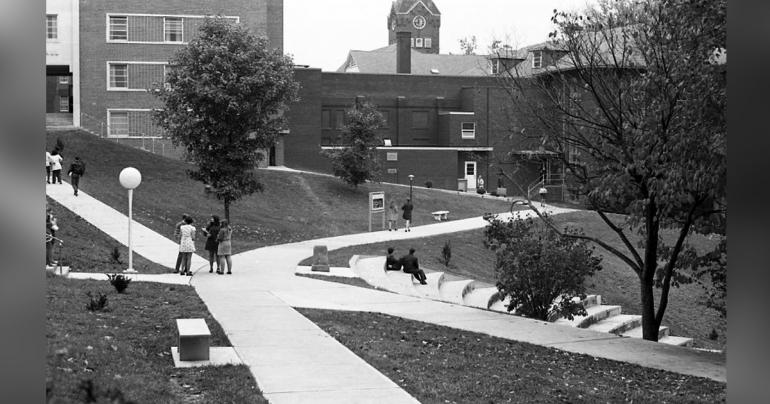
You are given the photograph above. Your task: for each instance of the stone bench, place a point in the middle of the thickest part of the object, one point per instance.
(194, 339)
(440, 215)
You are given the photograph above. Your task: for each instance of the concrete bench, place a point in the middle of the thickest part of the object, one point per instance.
(440, 215)
(194, 339)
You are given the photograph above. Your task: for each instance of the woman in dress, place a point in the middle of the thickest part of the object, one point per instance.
(56, 161)
(224, 250)
(407, 208)
(392, 215)
(211, 232)
(187, 244)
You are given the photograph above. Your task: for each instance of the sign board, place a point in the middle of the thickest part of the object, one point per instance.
(376, 201)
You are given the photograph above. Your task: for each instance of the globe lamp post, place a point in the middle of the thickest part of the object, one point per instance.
(411, 180)
(130, 178)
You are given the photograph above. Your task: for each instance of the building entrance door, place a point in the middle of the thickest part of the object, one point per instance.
(470, 174)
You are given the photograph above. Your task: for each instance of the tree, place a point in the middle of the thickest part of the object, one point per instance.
(356, 161)
(635, 106)
(224, 99)
(541, 271)
(469, 45)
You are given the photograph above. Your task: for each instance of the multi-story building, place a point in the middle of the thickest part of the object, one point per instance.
(61, 53)
(421, 19)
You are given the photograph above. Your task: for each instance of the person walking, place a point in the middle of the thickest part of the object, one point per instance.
(407, 208)
(56, 161)
(50, 235)
(224, 249)
(412, 266)
(187, 244)
(392, 216)
(176, 237)
(211, 232)
(47, 167)
(77, 170)
(391, 262)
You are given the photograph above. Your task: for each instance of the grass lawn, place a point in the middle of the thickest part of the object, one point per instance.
(438, 364)
(128, 347)
(686, 314)
(293, 207)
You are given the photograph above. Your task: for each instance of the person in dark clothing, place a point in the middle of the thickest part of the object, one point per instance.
(391, 262)
(176, 237)
(211, 232)
(407, 208)
(411, 266)
(77, 170)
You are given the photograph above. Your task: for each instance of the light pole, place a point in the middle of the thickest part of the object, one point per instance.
(411, 180)
(130, 179)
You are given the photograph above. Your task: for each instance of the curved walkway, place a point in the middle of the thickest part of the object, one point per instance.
(293, 360)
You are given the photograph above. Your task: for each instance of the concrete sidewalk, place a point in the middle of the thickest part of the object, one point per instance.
(295, 361)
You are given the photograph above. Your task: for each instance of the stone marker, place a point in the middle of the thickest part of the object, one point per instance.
(194, 339)
(320, 259)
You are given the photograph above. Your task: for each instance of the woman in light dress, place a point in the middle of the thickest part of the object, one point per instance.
(224, 249)
(187, 244)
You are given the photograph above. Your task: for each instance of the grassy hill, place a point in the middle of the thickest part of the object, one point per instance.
(294, 206)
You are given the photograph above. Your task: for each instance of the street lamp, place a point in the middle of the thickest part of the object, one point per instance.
(411, 180)
(130, 179)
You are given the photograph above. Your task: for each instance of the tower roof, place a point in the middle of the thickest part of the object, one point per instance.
(405, 6)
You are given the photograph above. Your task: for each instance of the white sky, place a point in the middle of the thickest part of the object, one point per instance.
(320, 33)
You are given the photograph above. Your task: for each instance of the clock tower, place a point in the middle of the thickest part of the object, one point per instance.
(421, 18)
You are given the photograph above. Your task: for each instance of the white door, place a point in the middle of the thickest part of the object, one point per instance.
(470, 174)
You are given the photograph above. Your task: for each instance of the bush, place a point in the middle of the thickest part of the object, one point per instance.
(96, 303)
(481, 190)
(428, 184)
(446, 253)
(541, 271)
(119, 281)
(59, 145)
(115, 256)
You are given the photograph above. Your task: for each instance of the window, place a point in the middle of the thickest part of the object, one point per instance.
(118, 76)
(64, 79)
(468, 130)
(419, 120)
(64, 104)
(326, 119)
(391, 156)
(385, 119)
(392, 170)
(118, 123)
(339, 119)
(118, 28)
(418, 42)
(427, 42)
(51, 26)
(537, 59)
(172, 28)
(411, 42)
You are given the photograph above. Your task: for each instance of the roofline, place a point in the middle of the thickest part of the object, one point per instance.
(415, 5)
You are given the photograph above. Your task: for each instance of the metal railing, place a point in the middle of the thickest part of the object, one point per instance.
(551, 180)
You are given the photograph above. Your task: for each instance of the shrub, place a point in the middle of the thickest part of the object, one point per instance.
(446, 253)
(481, 190)
(115, 256)
(119, 281)
(428, 184)
(541, 271)
(96, 303)
(59, 145)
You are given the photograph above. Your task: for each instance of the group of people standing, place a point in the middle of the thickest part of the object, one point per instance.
(53, 167)
(392, 214)
(408, 263)
(218, 235)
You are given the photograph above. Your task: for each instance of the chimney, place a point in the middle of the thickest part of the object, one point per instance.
(403, 52)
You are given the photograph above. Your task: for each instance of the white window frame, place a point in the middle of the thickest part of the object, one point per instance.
(110, 75)
(467, 133)
(411, 40)
(51, 30)
(110, 26)
(235, 18)
(111, 123)
(166, 31)
(64, 103)
(428, 43)
(537, 59)
(418, 42)
(128, 79)
(391, 156)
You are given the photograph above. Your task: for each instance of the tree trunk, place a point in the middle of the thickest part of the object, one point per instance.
(649, 325)
(227, 210)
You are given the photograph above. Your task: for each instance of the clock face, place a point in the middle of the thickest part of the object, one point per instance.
(419, 22)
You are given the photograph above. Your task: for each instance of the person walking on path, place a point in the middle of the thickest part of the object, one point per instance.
(176, 238)
(224, 249)
(391, 262)
(407, 208)
(211, 232)
(187, 244)
(77, 170)
(412, 266)
(50, 235)
(392, 216)
(56, 161)
(47, 167)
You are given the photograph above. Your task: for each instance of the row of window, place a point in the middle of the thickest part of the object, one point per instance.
(134, 76)
(421, 42)
(147, 28)
(419, 121)
(131, 123)
(52, 26)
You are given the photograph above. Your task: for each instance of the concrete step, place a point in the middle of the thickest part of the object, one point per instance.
(433, 289)
(56, 270)
(663, 331)
(617, 324)
(453, 291)
(679, 341)
(595, 314)
(400, 282)
(481, 297)
(592, 300)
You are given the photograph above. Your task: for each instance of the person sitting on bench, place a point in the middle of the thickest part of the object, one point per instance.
(391, 262)
(411, 266)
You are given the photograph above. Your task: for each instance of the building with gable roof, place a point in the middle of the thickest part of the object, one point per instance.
(421, 18)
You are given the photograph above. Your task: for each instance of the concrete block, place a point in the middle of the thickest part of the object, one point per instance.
(194, 339)
(320, 259)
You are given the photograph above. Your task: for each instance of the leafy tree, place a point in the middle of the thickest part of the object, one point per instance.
(224, 100)
(541, 271)
(635, 105)
(356, 161)
(469, 45)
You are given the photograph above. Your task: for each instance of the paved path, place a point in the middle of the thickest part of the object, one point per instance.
(293, 360)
